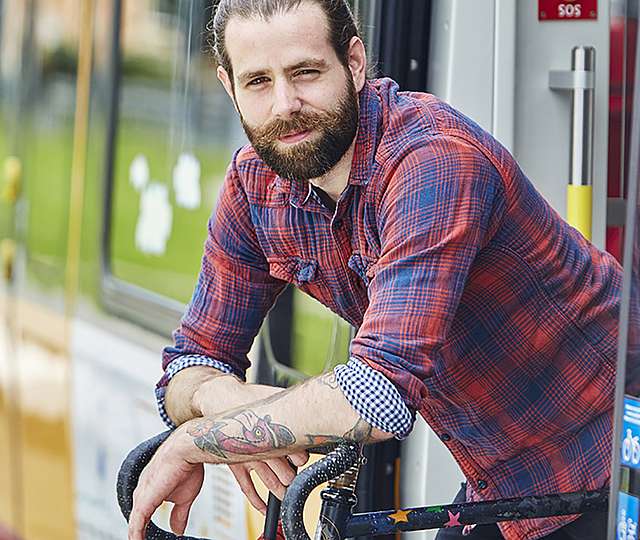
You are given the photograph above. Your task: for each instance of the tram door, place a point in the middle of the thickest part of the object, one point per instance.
(40, 51)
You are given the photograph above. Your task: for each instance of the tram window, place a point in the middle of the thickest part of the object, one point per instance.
(42, 107)
(176, 130)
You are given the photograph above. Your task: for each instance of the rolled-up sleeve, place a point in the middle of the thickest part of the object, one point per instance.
(233, 293)
(437, 211)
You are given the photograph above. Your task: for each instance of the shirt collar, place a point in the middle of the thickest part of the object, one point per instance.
(368, 135)
(367, 138)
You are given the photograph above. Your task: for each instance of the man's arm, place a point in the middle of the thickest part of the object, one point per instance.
(315, 412)
(205, 391)
(299, 417)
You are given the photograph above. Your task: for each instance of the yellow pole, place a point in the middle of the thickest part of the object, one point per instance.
(80, 133)
(579, 208)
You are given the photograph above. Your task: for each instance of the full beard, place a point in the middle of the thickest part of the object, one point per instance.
(309, 158)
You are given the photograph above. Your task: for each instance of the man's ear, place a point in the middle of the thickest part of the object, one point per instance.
(357, 62)
(224, 78)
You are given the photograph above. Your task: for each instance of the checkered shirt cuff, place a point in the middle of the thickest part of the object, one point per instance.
(179, 364)
(375, 398)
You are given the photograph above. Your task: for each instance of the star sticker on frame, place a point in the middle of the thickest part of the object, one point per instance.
(400, 516)
(453, 520)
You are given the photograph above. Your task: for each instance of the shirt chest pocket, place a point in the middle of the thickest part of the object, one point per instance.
(363, 266)
(294, 270)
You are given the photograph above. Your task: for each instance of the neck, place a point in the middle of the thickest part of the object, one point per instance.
(335, 181)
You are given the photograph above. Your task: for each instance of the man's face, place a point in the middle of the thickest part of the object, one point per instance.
(297, 102)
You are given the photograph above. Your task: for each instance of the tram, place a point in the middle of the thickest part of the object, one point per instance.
(114, 139)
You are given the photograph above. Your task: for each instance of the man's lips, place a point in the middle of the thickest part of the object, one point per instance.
(294, 137)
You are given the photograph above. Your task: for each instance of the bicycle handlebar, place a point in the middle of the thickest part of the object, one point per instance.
(336, 462)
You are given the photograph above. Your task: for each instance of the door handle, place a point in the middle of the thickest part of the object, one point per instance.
(580, 81)
(12, 172)
(7, 257)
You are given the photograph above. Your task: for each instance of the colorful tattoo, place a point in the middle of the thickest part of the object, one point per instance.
(256, 435)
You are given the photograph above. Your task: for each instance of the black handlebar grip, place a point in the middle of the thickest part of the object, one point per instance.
(335, 463)
(128, 476)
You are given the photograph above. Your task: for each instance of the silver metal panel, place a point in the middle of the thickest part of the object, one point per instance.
(461, 63)
(543, 116)
(504, 73)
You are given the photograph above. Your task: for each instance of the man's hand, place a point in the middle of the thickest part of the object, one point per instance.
(276, 474)
(167, 477)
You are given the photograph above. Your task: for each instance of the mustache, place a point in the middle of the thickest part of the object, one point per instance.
(302, 121)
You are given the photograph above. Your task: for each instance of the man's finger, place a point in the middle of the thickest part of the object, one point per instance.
(142, 511)
(299, 458)
(179, 518)
(283, 469)
(269, 478)
(242, 476)
(137, 524)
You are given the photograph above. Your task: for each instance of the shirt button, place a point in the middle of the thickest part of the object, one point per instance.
(445, 437)
(482, 484)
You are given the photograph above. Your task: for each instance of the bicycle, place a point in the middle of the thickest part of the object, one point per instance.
(340, 468)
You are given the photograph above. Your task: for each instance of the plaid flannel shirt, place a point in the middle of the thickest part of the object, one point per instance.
(486, 312)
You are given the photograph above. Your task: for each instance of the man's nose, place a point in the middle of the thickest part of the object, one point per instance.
(286, 100)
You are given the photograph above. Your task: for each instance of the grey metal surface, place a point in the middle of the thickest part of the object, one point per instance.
(543, 118)
(583, 60)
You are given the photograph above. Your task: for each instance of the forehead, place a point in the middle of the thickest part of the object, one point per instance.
(287, 38)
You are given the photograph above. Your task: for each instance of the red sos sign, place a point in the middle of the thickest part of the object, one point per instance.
(567, 10)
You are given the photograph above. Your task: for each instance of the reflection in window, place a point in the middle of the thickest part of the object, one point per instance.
(176, 133)
(48, 63)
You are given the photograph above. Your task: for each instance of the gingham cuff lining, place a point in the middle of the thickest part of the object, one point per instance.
(375, 398)
(178, 364)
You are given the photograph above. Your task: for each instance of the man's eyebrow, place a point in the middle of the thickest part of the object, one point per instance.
(248, 75)
(317, 63)
(309, 63)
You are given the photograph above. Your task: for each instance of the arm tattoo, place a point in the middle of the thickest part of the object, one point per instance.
(244, 433)
(360, 433)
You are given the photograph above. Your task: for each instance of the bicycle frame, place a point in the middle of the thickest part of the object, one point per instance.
(340, 468)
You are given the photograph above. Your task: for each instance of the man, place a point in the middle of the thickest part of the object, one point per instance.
(476, 305)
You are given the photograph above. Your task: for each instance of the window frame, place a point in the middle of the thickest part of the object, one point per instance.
(153, 311)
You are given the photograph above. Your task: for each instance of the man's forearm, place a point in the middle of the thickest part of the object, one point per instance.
(200, 390)
(313, 413)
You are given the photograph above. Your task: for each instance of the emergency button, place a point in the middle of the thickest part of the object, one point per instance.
(482, 484)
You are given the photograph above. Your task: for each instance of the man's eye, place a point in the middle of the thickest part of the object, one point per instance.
(257, 82)
(306, 72)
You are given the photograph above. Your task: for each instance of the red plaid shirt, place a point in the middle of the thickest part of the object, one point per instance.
(493, 318)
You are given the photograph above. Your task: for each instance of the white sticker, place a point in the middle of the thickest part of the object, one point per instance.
(186, 181)
(139, 172)
(154, 220)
